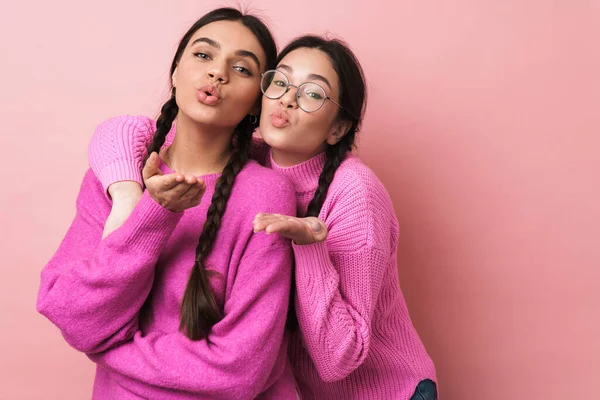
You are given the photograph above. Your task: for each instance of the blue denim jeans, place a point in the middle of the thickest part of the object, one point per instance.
(426, 390)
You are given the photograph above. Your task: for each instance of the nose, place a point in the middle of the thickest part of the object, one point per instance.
(218, 73)
(289, 99)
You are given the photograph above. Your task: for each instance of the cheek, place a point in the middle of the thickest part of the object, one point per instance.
(246, 92)
(307, 134)
(185, 95)
(267, 106)
(266, 103)
(185, 90)
(317, 125)
(186, 72)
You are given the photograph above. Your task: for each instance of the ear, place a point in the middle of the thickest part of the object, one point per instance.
(174, 78)
(338, 131)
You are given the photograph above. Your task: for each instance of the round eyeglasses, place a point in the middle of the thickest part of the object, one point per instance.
(310, 96)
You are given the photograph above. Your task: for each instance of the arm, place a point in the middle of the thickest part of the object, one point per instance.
(125, 196)
(241, 350)
(92, 289)
(335, 291)
(338, 281)
(116, 155)
(335, 297)
(119, 147)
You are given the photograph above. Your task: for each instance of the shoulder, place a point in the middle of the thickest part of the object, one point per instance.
(355, 179)
(265, 190)
(358, 201)
(119, 134)
(128, 123)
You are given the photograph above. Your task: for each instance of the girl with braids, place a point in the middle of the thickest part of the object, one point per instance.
(354, 338)
(184, 300)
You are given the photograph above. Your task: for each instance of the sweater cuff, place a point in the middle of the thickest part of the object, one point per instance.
(150, 224)
(122, 170)
(312, 258)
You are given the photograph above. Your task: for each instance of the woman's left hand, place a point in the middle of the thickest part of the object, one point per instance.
(301, 230)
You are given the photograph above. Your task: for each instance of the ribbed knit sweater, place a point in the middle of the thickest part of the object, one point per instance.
(356, 339)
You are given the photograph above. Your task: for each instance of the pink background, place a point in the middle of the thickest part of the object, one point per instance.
(483, 123)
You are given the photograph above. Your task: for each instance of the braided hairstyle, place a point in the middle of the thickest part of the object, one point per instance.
(199, 310)
(353, 99)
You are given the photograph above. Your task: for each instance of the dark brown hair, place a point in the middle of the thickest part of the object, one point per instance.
(199, 310)
(353, 99)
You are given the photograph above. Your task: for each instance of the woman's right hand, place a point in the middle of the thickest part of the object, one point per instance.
(175, 192)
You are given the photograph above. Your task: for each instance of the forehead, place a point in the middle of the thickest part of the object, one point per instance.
(305, 61)
(231, 36)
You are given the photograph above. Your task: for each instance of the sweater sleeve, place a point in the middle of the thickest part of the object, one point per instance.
(338, 281)
(119, 147)
(92, 290)
(335, 305)
(241, 350)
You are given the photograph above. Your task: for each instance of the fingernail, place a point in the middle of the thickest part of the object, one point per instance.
(316, 227)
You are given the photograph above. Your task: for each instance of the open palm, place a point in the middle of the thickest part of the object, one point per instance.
(301, 230)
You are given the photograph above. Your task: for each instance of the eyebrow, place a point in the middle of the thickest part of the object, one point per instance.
(240, 53)
(311, 77)
(246, 53)
(207, 40)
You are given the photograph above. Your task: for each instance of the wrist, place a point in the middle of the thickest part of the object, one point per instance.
(125, 190)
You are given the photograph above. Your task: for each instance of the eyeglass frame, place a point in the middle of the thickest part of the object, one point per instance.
(287, 89)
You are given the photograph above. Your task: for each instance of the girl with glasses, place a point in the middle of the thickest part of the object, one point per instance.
(351, 333)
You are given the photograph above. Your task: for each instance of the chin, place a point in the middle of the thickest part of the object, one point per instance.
(205, 116)
(276, 141)
(270, 135)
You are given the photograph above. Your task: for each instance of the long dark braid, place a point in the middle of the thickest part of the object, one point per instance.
(353, 100)
(199, 309)
(164, 122)
(335, 156)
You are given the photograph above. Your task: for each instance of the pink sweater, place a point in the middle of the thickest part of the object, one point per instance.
(93, 290)
(356, 339)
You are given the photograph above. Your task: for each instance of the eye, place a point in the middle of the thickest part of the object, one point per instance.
(280, 83)
(243, 70)
(203, 56)
(314, 95)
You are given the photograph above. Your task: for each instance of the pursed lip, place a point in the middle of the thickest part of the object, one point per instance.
(209, 95)
(281, 114)
(212, 90)
(279, 118)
